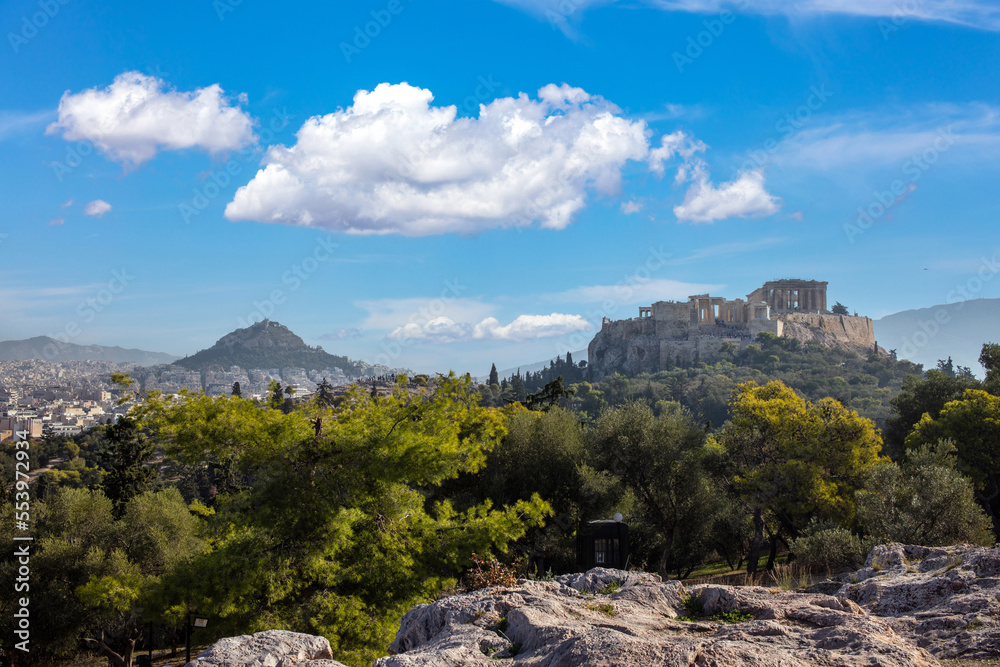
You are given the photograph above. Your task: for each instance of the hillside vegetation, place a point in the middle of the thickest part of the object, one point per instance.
(336, 515)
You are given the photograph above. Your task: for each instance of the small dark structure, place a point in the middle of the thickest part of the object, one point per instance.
(602, 544)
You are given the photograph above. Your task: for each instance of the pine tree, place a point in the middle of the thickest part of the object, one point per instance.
(237, 390)
(494, 376)
(324, 393)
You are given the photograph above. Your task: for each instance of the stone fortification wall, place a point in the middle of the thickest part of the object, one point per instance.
(857, 333)
(665, 339)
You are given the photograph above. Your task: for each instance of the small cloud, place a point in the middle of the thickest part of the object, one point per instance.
(524, 327)
(343, 334)
(139, 115)
(97, 208)
(55, 222)
(744, 197)
(797, 216)
(66, 204)
(630, 207)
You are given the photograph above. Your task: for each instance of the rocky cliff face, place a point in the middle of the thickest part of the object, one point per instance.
(908, 607)
(855, 333)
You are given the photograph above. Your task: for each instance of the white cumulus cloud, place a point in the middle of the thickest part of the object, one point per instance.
(394, 163)
(704, 202)
(523, 328)
(134, 117)
(97, 208)
(742, 198)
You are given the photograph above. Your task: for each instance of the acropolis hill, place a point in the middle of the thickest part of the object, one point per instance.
(671, 333)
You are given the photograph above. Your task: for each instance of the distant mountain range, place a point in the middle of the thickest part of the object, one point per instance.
(957, 330)
(49, 349)
(267, 344)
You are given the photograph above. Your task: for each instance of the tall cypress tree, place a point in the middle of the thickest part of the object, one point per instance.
(494, 376)
(128, 453)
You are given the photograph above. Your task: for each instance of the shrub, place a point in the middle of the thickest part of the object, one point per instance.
(924, 500)
(488, 572)
(828, 547)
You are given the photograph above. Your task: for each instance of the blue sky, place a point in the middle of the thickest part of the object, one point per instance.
(481, 181)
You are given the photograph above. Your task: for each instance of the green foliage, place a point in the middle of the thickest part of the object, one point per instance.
(488, 572)
(559, 367)
(694, 605)
(922, 500)
(920, 396)
(661, 460)
(989, 357)
(92, 572)
(864, 384)
(613, 586)
(605, 608)
(549, 396)
(324, 394)
(792, 460)
(973, 425)
(129, 451)
(733, 616)
(795, 458)
(543, 453)
(827, 546)
(338, 533)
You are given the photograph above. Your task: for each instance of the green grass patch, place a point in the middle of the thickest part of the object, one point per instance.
(613, 587)
(606, 609)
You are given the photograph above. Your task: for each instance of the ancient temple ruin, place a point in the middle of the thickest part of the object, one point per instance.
(668, 333)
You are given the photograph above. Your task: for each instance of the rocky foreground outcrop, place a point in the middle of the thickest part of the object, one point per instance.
(274, 648)
(908, 606)
(946, 600)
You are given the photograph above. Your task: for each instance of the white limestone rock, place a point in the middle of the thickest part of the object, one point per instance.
(274, 648)
(565, 623)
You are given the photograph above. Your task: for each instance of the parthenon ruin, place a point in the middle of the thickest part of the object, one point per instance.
(792, 296)
(673, 332)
